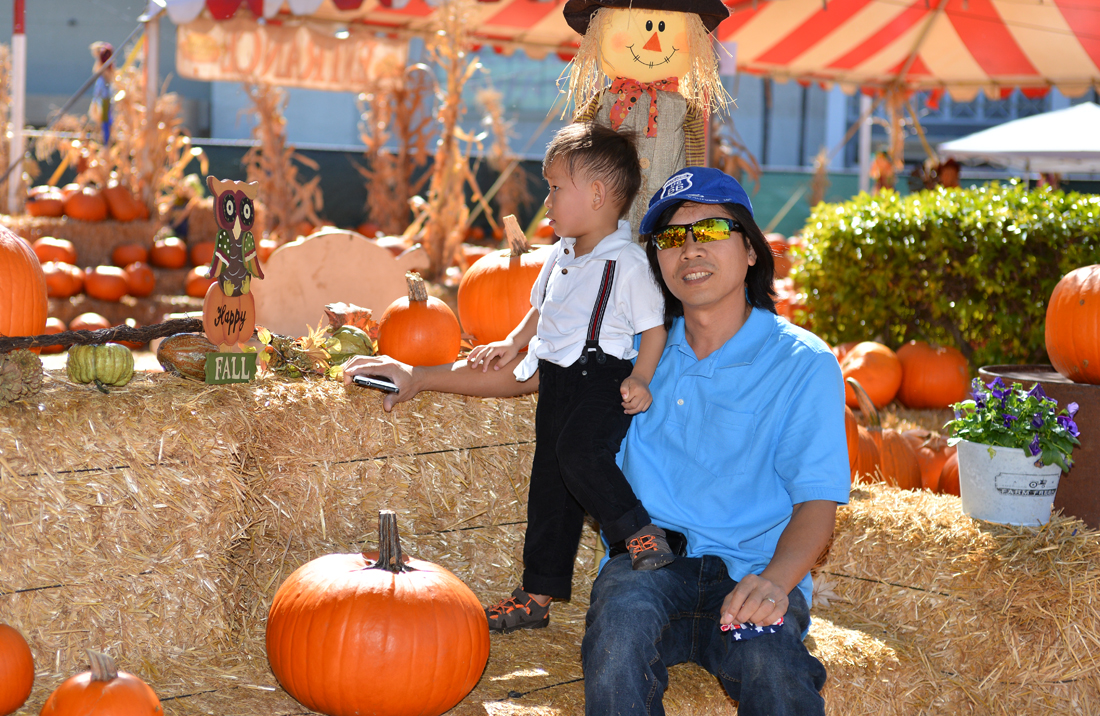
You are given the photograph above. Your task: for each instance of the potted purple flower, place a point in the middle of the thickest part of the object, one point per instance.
(1013, 444)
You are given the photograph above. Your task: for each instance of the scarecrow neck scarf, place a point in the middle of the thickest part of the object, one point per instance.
(628, 91)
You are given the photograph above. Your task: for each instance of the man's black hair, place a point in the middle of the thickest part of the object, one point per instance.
(759, 280)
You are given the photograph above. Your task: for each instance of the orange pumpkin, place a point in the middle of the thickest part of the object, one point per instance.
(48, 248)
(779, 247)
(202, 253)
(89, 321)
(877, 369)
(23, 300)
(121, 203)
(544, 230)
(842, 350)
(228, 320)
(949, 478)
(932, 452)
(54, 326)
(45, 201)
(126, 254)
(1073, 325)
(62, 280)
(102, 691)
(369, 229)
(495, 293)
(140, 280)
(932, 376)
(132, 345)
(869, 459)
(900, 466)
(87, 204)
(198, 281)
(169, 252)
(107, 283)
(16, 670)
(412, 633)
(420, 329)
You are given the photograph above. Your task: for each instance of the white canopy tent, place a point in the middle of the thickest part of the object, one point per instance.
(1066, 141)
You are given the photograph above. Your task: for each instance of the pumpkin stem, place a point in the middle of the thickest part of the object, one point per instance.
(101, 387)
(516, 238)
(389, 544)
(417, 290)
(865, 405)
(103, 666)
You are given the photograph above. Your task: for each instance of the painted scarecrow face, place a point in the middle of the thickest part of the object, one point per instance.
(645, 45)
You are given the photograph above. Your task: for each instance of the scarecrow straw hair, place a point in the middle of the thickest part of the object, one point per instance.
(702, 87)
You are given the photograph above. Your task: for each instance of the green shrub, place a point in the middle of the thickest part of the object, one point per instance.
(972, 268)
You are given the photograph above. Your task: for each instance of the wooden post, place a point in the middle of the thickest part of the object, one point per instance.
(18, 103)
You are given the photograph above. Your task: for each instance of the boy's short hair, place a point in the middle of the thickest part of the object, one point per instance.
(601, 153)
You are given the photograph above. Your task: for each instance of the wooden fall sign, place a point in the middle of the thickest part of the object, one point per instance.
(229, 309)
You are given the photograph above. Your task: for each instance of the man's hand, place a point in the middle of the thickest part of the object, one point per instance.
(636, 396)
(386, 367)
(481, 356)
(755, 600)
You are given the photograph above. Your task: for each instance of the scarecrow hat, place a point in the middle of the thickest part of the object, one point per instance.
(578, 13)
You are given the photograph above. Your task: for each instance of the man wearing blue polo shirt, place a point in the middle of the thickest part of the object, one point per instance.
(742, 452)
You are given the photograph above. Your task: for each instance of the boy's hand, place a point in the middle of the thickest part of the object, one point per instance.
(636, 397)
(481, 356)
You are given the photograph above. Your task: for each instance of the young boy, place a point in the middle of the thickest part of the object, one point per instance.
(591, 298)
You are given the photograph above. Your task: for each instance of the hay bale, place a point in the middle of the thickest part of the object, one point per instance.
(93, 240)
(157, 522)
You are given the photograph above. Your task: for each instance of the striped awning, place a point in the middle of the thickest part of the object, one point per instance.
(960, 46)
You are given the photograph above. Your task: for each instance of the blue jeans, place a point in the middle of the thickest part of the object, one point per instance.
(640, 623)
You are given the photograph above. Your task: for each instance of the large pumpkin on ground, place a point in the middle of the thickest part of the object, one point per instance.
(16, 670)
(495, 292)
(23, 299)
(1073, 325)
(877, 369)
(420, 329)
(900, 466)
(932, 376)
(376, 633)
(103, 691)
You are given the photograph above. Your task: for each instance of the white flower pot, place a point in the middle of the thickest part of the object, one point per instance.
(1003, 485)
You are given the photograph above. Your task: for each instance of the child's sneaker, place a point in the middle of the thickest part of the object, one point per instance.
(649, 549)
(520, 611)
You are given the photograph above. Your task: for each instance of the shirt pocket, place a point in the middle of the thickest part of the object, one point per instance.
(723, 440)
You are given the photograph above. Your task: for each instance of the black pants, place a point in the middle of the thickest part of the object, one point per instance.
(579, 424)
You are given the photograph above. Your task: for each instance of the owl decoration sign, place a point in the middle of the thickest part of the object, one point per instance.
(229, 309)
(649, 67)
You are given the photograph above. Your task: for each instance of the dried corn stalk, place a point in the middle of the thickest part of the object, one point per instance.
(272, 163)
(444, 220)
(398, 110)
(5, 124)
(513, 193)
(148, 151)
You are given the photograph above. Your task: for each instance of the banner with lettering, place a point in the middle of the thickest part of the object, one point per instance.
(302, 54)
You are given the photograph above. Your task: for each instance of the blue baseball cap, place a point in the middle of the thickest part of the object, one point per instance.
(699, 184)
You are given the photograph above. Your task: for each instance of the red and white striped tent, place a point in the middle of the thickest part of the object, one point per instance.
(960, 46)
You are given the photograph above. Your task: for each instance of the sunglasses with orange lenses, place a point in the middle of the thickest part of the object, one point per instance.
(703, 231)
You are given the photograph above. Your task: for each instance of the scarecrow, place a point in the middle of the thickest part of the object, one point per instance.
(100, 110)
(648, 66)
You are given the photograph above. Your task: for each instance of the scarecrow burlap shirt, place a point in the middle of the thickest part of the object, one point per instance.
(661, 156)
